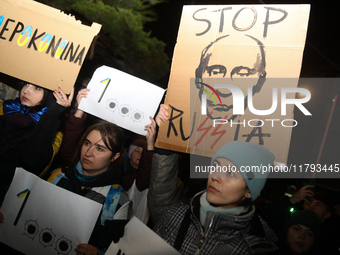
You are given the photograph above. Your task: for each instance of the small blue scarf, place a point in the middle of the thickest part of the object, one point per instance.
(10, 106)
(85, 180)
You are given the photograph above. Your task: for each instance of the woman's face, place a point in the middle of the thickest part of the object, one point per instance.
(135, 156)
(95, 157)
(226, 188)
(31, 95)
(300, 238)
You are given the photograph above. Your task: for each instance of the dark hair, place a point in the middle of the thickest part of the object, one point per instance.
(306, 218)
(43, 101)
(112, 136)
(322, 197)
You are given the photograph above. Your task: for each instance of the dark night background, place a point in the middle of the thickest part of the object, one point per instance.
(320, 60)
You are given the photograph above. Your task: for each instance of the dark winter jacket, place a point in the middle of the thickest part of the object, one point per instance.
(26, 144)
(142, 174)
(97, 191)
(180, 225)
(223, 234)
(163, 189)
(73, 131)
(102, 235)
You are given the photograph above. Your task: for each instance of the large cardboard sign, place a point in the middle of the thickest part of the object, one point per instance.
(258, 50)
(138, 239)
(122, 99)
(42, 45)
(41, 218)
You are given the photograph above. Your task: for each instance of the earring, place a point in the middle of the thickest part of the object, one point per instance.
(247, 196)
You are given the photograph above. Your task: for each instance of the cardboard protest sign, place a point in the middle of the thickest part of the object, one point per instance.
(122, 99)
(257, 49)
(41, 45)
(41, 218)
(138, 239)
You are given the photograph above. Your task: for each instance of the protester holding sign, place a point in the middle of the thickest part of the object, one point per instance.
(137, 170)
(92, 171)
(220, 219)
(94, 174)
(132, 160)
(28, 127)
(138, 160)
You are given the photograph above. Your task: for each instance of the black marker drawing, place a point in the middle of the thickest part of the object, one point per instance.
(137, 116)
(124, 110)
(112, 104)
(31, 229)
(46, 237)
(25, 193)
(63, 246)
(107, 84)
(172, 125)
(220, 70)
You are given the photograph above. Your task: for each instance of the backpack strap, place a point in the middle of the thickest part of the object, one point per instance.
(111, 203)
(182, 230)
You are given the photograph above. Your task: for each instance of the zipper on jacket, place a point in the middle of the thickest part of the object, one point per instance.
(204, 236)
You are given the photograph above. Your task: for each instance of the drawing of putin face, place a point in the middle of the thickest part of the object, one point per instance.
(238, 60)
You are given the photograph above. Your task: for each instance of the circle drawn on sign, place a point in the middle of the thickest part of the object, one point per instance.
(137, 116)
(124, 110)
(112, 104)
(63, 246)
(31, 228)
(46, 237)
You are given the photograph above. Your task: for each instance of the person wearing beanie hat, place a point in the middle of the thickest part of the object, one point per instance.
(245, 157)
(302, 230)
(306, 218)
(278, 212)
(220, 219)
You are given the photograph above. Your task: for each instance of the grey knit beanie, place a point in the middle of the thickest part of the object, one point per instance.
(246, 157)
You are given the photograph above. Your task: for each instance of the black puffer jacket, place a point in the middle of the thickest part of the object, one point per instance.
(163, 189)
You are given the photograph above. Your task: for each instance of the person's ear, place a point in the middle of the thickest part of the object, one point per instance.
(115, 157)
(248, 195)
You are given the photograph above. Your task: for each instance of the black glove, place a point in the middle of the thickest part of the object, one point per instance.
(114, 229)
